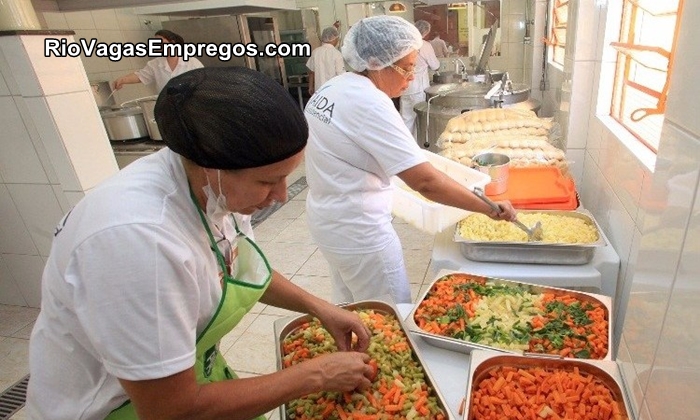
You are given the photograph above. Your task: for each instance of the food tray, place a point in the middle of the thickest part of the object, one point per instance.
(430, 216)
(533, 252)
(285, 326)
(463, 346)
(606, 371)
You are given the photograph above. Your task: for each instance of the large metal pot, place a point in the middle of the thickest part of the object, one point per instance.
(446, 101)
(124, 123)
(148, 105)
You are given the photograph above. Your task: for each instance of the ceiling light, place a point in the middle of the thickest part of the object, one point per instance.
(457, 5)
(397, 7)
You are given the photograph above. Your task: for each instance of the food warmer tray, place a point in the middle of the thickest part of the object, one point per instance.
(607, 371)
(284, 326)
(463, 346)
(533, 252)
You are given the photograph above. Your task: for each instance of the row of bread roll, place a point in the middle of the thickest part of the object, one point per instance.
(497, 136)
(461, 125)
(496, 114)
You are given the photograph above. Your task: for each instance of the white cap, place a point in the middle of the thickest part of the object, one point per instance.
(329, 34)
(376, 42)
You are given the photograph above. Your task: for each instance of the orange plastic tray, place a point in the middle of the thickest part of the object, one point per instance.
(537, 186)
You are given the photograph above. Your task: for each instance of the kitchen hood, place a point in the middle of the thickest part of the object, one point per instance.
(179, 8)
(216, 7)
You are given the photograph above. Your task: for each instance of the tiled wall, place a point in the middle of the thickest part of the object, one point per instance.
(649, 209)
(53, 148)
(110, 25)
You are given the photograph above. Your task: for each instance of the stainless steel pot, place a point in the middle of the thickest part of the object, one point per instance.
(125, 123)
(148, 104)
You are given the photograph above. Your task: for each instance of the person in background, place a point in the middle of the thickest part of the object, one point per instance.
(159, 70)
(357, 142)
(149, 270)
(415, 93)
(440, 46)
(326, 61)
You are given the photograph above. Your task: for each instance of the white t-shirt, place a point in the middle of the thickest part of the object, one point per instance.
(357, 141)
(326, 62)
(426, 59)
(158, 71)
(130, 283)
(440, 47)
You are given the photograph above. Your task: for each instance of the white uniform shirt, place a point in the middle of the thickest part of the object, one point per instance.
(426, 59)
(326, 62)
(357, 141)
(440, 47)
(158, 71)
(130, 283)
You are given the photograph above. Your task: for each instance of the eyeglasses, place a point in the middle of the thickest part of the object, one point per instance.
(403, 72)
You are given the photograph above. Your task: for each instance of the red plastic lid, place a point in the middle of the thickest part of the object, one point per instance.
(537, 185)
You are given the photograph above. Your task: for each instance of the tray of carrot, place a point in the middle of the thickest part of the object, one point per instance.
(464, 312)
(535, 387)
(402, 387)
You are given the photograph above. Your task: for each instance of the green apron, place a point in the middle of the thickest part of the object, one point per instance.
(244, 281)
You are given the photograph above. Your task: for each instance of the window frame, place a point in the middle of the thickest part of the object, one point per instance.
(626, 90)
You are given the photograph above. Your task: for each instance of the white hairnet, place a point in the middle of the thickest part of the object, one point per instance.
(423, 27)
(329, 34)
(376, 42)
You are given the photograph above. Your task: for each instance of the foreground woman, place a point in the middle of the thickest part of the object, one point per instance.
(150, 270)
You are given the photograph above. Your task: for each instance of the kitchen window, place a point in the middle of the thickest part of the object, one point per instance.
(645, 57)
(557, 31)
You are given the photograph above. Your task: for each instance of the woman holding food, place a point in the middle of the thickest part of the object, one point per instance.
(357, 142)
(149, 270)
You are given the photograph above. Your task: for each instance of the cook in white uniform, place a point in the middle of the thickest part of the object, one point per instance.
(357, 141)
(439, 46)
(159, 70)
(149, 271)
(326, 61)
(415, 93)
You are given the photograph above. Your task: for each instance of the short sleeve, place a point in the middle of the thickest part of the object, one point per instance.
(139, 307)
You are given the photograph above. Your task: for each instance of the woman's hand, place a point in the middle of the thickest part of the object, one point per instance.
(344, 371)
(507, 213)
(342, 323)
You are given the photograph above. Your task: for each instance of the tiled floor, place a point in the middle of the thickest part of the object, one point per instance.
(249, 348)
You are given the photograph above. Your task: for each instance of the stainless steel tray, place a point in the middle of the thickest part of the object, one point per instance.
(605, 370)
(463, 346)
(284, 326)
(533, 252)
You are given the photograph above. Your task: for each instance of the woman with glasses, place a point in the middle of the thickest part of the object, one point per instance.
(150, 270)
(357, 142)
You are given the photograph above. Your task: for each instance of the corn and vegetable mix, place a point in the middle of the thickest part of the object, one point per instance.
(510, 317)
(558, 229)
(399, 389)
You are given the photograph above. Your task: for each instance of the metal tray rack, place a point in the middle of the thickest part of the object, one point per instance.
(533, 252)
(283, 327)
(463, 346)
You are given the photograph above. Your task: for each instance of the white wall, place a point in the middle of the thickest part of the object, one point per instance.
(53, 148)
(649, 208)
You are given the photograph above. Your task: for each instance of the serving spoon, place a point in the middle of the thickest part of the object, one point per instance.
(534, 234)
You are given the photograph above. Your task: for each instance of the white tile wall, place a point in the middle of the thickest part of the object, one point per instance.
(14, 234)
(17, 64)
(40, 211)
(19, 161)
(55, 75)
(10, 293)
(28, 121)
(25, 269)
(86, 143)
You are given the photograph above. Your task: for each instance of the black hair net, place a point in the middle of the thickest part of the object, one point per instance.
(230, 118)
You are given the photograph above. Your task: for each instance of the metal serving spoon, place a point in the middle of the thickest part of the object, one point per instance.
(534, 234)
